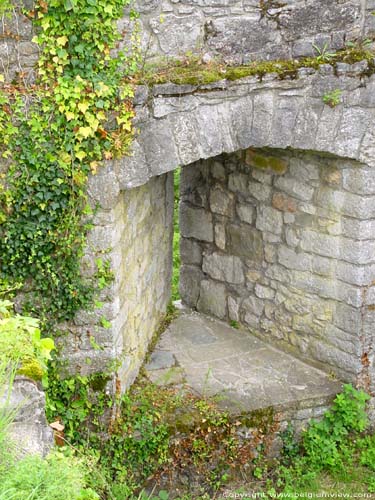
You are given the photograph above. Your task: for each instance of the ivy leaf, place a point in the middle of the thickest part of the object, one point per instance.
(69, 115)
(62, 40)
(83, 106)
(85, 132)
(81, 155)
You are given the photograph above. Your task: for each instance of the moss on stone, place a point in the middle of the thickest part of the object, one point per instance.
(192, 71)
(31, 368)
(265, 162)
(263, 418)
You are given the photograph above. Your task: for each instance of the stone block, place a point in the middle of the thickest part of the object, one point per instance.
(220, 236)
(295, 188)
(245, 212)
(177, 35)
(190, 282)
(264, 292)
(284, 203)
(360, 180)
(253, 305)
(218, 171)
(259, 191)
(213, 299)
(196, 223)
(239, 183)
(233, 309)
(294, 260)
(190, 251)
(269, 219)
(226, 268)
(221, 201)
(245, 241)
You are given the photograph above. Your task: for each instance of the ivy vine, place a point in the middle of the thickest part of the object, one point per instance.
(52, 137)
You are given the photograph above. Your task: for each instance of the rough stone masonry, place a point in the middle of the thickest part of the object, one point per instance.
(278, 204)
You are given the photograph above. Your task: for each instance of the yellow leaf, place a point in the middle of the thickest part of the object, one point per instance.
(69, 115)
(85, 132)
(62, 40)
(2, 79)
(55, 59)
(81, 155)
(94, 167)
(83, 106)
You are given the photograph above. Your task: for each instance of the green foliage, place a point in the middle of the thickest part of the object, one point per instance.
(58, 477)
(332, 98)
(79, 402)
(138, 439)
(77, 114)
(325, 442)
(55, 478)
(5, 7)
(323, 54)
(366, 447)
(138, 443)
(327, 445)
(21, 344)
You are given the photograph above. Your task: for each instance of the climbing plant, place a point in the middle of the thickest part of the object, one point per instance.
(53, 135)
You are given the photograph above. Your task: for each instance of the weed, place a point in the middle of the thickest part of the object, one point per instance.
(234, 324)
(323, 54)
(333, 98)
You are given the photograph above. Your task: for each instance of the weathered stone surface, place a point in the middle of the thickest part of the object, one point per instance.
(196, 223)
(29, 430)
(225, 268)
(269, 219)
(242, 370)
(221, 202)
(190, 282)
(245, 242)
(240, 31)
(305, 265)
(191, 252)
(212, 299)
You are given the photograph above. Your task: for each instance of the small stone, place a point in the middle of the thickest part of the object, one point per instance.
(225, 268)
(160, 360)
(264, 292)
(218, 171)
(245, 241)
(220, 237)
(245, 212)
(233, 309)
(295, 188)
(196, 223)
(221, 202)
(269, 219)
(212, 299)
(284, 203)
(253, 305)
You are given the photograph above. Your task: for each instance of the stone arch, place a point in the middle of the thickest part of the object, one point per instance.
(185, 124)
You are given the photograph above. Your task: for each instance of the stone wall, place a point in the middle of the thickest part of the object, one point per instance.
(237, 31)
(243, 30)
(281, 242)
(133, 231)
(18, 54)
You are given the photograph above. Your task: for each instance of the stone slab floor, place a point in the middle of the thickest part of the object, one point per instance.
(245, 373)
